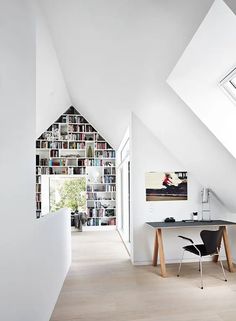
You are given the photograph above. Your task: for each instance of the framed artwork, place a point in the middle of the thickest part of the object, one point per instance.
(166, 186)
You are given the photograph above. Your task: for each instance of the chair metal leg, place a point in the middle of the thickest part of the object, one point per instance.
(180, 263)
(199, 269)
(201, 272)
(221, 266)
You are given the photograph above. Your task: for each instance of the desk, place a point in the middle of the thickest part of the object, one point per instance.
(158, 242)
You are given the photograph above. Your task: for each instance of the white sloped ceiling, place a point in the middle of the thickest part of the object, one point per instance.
(116, 57)
(52, 97)
(113, 53)
(210, 55)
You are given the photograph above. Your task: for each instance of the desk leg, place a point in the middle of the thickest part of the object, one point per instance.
(216, 257)
(155, 252)
(161, 253)
(227, 250)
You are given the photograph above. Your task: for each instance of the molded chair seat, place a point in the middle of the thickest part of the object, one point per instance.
(200, 247)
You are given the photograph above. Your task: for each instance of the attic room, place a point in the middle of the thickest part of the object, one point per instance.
(128, 107)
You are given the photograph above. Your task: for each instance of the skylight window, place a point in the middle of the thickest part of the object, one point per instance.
(228, 84)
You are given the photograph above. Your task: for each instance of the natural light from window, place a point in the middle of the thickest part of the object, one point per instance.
(67, 192)
(228, 84)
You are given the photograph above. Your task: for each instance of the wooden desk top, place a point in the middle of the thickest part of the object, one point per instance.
(181, 224)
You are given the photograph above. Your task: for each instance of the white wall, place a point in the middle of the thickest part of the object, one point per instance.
(52, 98)
(35, 254)
(148, 154)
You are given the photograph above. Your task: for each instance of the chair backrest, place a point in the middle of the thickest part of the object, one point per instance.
(211, 240)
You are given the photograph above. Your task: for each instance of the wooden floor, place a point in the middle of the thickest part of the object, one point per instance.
(102, 285)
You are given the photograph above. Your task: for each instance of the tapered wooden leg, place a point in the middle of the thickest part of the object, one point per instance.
(216, 257)
(227, 250)
(161, 253)
(155, 252)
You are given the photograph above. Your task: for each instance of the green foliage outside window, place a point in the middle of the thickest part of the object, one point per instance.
(69, 193)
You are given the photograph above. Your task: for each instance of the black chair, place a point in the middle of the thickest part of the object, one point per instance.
(211, 242)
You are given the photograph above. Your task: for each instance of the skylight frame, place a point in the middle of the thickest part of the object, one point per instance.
(228, 84)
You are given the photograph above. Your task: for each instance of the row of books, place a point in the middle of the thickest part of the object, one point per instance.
(68, 170)
(73, 145)
(54, 153)
(74, 162)
(94, 162)
(70, 163)
(57, 162)
(38, 197)
(110, 212)
(42, 171)
(109, 179)
(80, 128)
(76, 145)
(110, 188)
(51, 144)
(96, 188)
(57, 136)
(72, 119)
(77, 136)
(110, 171)
(74, 136)
(102, 146)
(60, 162)
(98, 162)
(91, 196)
(38, 205)
(99, 204)
(105, 154)
(38, 179)
(94, 222)
(95, 212)
(38, 188)
(60, 145)
(43, 162)
(60, 170)
(101, 188)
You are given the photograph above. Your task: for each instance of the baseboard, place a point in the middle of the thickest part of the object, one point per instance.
(174, 261)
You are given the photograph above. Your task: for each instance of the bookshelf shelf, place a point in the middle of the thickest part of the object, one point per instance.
(71, 146)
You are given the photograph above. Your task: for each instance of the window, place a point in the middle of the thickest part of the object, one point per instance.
(69, 192)
(228, 84)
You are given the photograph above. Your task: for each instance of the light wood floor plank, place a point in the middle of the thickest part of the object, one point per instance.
(102, 285)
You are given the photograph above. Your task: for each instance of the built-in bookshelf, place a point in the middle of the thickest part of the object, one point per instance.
(72, 146)
(101, 195)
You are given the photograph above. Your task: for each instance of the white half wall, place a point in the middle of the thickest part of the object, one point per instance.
(35, 254)
(148, 155)
(52, 97)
